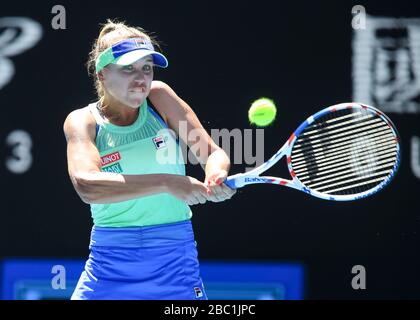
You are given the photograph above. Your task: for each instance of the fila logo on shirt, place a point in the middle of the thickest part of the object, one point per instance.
(159, 142)
(198, 292)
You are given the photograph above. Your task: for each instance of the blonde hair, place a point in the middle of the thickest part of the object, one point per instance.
(112, 32)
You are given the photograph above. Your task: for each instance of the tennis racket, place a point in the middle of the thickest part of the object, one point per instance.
(344, 152)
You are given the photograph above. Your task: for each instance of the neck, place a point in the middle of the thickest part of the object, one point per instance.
(116, 112)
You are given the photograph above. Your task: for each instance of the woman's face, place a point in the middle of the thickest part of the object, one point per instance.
(130, 84)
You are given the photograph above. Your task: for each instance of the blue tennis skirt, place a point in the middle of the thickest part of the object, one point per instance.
(147, 263)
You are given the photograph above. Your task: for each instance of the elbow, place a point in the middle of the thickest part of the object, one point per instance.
(84, 188)
(85, 198)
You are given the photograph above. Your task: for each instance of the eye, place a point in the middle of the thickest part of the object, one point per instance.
(147, 68)
(128, 68)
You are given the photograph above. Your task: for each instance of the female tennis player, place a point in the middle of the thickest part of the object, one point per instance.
(142, 243)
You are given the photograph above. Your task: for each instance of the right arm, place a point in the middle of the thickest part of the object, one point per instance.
(94, 186)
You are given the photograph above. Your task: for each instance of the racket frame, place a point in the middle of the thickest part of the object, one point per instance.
(254, 176)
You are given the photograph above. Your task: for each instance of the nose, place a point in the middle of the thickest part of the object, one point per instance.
(139, 76)
(139, 79)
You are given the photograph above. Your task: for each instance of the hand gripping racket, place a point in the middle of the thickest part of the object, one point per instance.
(344, 152)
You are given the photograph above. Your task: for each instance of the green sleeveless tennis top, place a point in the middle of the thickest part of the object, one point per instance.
(145, 147)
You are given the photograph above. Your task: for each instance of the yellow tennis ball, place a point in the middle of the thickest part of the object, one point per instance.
(262, 112)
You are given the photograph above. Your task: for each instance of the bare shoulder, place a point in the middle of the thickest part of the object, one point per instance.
(160, 87)
(166, 101)
(80, 123)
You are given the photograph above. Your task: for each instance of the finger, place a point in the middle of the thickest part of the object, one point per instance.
(217, 191)
(214, 199)
(201, 197)
(192, 200)
(221, 176)
(211, 197)
(215, 194)
(228, 192)
(205, 187)
(209, 193)
(218, 177)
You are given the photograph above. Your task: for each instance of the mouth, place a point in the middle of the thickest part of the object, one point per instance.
(139, 89)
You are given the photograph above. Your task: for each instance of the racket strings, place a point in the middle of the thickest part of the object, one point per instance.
(347, 180)
(372, 133)
(342, 151)
(345, 152)
(337, 160)
(348, 134)
(333, 170)
(347, 174)
(343, 141)
(353, 123)
(343, 179)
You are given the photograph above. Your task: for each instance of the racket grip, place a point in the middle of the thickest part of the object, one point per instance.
(230, 182)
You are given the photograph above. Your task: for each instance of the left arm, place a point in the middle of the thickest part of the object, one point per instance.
(181, 118)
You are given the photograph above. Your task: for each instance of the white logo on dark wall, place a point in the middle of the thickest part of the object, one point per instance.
(17, 35)
(386, 69)
(386, 64)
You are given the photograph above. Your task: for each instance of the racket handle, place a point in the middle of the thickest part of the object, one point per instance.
(231, 181)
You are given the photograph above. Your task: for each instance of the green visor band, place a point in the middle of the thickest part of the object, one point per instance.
(128, 51)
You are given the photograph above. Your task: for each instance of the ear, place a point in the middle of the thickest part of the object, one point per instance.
(100, 76)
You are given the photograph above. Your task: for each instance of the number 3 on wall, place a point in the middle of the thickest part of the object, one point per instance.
(20, 143)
